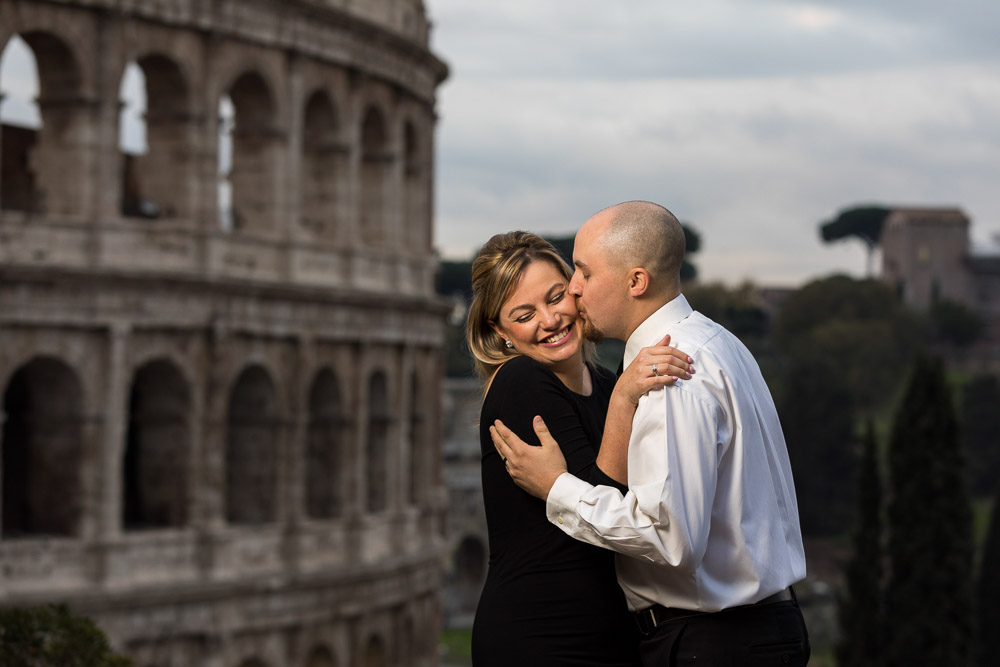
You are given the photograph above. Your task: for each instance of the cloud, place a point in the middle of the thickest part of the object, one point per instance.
(753, 121)
(713, 38)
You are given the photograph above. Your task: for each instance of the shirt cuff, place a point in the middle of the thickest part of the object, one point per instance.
(563, 499)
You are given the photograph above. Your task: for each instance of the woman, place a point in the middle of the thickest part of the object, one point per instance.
(548, 599)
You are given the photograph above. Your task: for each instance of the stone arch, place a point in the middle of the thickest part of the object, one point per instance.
(325, 483)
(374, 653)
(377, 446)
(157, 183)
(321, 656)
(42, 457)
(376, 171)
(324, 167)
(416, 189)
(55, 153)
(158, 448)
(255, 154)
(253, 428)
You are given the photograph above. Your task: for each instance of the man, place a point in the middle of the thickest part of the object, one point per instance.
(710, 518)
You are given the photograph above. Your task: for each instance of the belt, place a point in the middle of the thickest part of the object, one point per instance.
(651, 617)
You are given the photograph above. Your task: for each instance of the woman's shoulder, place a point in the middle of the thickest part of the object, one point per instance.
(519, 386)
(519, 369)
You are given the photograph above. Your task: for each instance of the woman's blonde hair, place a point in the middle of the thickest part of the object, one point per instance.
(496, 271)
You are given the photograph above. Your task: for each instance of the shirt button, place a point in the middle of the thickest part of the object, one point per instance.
(559, 519)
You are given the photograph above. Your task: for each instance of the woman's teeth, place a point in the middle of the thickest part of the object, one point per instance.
(557, 337)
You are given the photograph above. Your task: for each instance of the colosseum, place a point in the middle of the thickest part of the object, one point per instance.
(220, 355)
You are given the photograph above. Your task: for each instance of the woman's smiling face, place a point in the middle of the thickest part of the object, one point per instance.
(540, 317)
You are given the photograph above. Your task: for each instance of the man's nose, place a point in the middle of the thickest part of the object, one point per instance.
(574, 286)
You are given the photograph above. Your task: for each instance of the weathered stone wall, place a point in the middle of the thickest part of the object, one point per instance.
(468, 538)
(221, 435)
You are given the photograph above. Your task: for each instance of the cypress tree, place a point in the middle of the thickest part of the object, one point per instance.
(929, 593)
(980, 425)
(989, 588)
(860, 609)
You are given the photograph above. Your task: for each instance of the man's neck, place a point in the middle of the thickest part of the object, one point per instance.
(644, 307)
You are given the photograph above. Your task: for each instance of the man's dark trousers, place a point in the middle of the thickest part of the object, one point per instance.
(772, 634)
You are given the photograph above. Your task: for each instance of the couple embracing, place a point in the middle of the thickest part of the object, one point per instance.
(648, 519)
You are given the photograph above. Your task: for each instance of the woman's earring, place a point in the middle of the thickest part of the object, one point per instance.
(510, 345)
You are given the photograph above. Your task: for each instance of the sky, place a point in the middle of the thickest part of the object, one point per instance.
(753, 121)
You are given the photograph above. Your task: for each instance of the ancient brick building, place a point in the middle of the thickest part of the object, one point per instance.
(928, 257)
(220, 369)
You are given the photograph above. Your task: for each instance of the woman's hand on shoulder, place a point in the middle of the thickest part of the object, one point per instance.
(655, 366)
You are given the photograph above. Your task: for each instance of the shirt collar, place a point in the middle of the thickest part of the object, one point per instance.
(656, 326)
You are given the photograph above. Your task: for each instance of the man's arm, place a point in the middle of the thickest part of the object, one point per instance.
(535, 471)
(666, 513)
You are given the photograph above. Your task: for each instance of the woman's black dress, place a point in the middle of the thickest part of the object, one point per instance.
(548, 600)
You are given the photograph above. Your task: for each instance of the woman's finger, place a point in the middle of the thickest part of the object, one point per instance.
(668, 365)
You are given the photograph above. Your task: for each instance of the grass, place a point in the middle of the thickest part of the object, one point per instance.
(456, 648)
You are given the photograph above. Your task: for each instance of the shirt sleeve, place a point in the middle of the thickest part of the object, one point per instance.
(523, 389)
(678, 437)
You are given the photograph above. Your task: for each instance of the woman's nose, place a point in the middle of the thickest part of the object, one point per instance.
(550, 319)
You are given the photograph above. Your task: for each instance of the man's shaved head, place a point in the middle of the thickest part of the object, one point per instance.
(641, 233)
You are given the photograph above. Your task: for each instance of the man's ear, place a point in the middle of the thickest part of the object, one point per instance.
(638, 281)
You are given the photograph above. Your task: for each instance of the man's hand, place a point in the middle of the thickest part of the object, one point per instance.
(534, 469)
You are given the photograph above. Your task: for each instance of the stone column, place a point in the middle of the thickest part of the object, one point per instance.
(294, 450)
(353, 111)
(205, 161)
(210, 485)
(290, 213)
(102, 174)
(394, 192)
(115, 433)
(104, 487)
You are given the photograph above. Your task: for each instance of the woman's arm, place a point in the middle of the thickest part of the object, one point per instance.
(636, 381)
(523, 389)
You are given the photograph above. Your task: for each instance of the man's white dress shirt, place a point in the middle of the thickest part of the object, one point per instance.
(710, 519)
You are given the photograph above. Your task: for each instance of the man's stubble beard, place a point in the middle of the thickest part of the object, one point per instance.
(591, 333)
